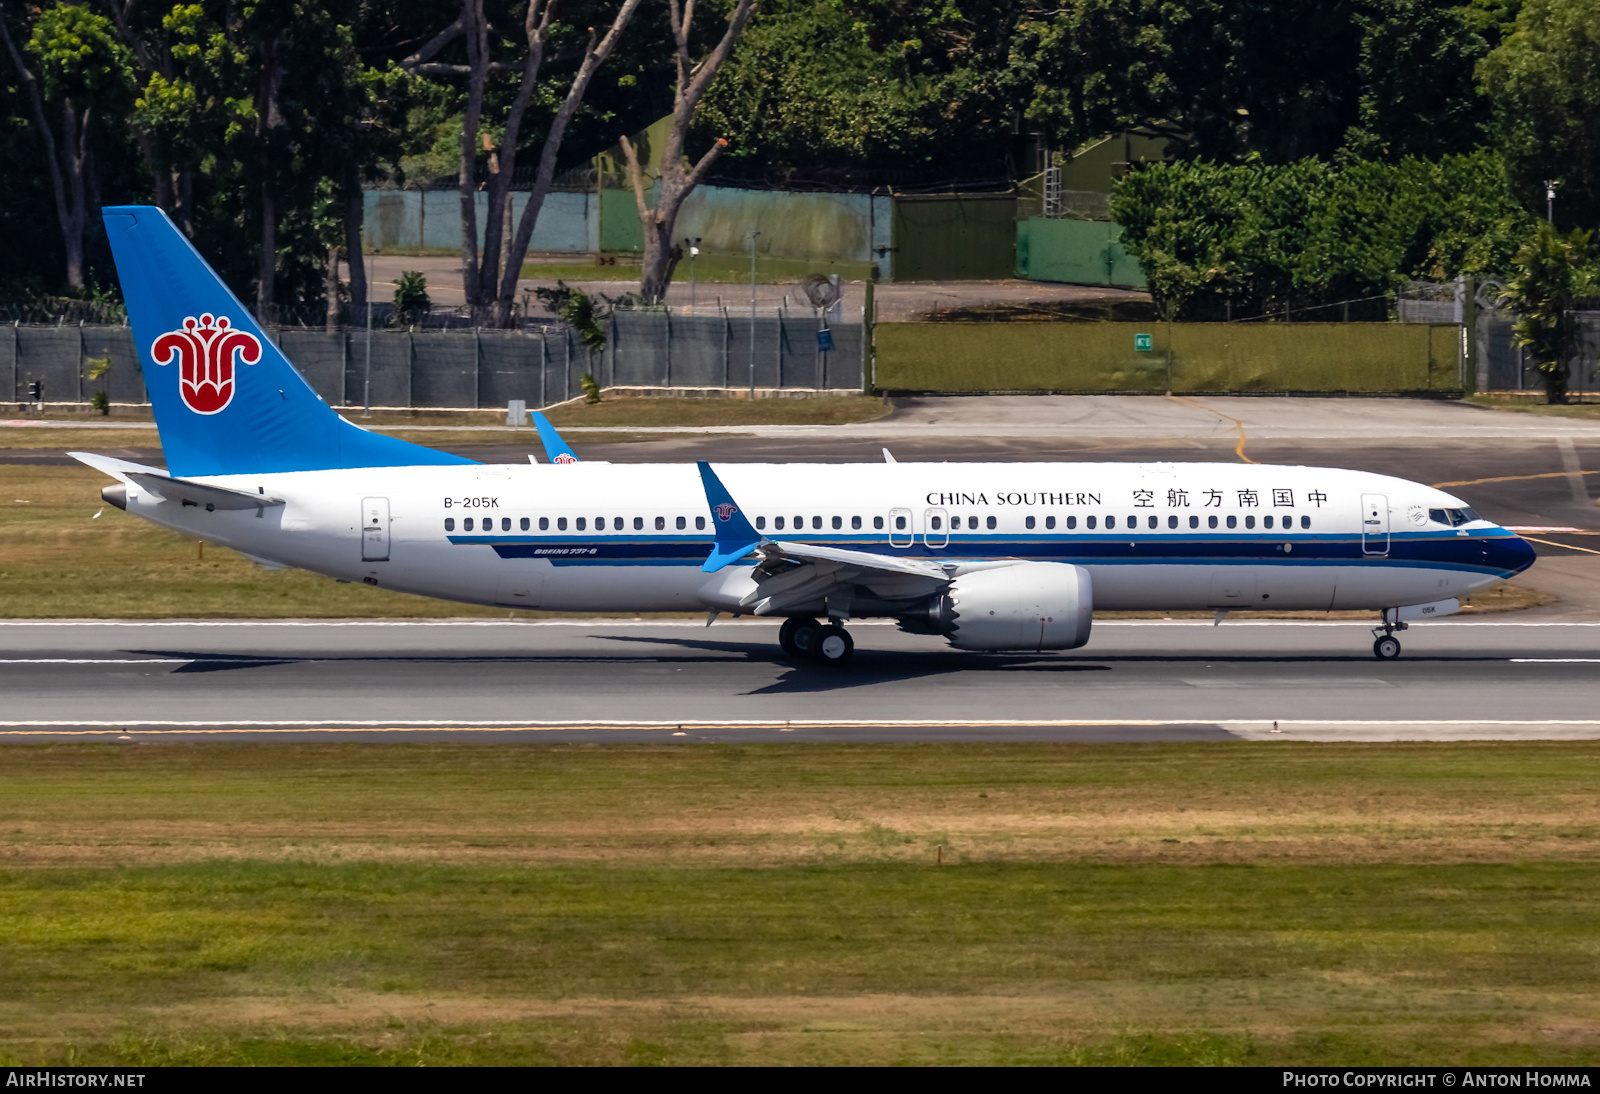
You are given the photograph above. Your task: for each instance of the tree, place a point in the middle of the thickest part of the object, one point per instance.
(490, 277)
(1418, 91)
(1548, 275)
(867, 92)
(677, 179)
(1544, 80)
(86, 80)
(1221, 79)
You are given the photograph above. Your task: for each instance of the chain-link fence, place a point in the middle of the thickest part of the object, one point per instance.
(474, 368)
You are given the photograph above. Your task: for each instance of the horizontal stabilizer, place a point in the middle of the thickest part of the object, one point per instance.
(184, 491)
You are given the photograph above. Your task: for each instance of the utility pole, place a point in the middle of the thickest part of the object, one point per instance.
(753, 237)
(366, 384)
(1550, 201)
(694, 253)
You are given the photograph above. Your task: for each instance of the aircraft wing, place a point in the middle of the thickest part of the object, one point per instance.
(791, 574)
(165, 486)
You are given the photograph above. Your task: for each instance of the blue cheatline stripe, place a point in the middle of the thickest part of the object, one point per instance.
(1486, 554)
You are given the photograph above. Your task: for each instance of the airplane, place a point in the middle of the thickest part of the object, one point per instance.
(987, 556)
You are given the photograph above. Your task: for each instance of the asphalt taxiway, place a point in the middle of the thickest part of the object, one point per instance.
(605, 679)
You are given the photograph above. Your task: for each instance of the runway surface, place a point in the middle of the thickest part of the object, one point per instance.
(599, 680)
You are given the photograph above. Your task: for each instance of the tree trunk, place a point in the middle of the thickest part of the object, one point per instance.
(266, 276)
(354, 257)
(677, 181)
(330, 287)
(75, 142)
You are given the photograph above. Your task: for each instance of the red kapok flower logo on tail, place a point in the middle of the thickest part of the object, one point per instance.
(565, 457)
(205, 350)
(724, 511)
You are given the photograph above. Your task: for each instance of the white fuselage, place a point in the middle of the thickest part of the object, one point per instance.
(611, 537)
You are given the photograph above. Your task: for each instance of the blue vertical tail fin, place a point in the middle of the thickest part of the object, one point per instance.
(226, 400)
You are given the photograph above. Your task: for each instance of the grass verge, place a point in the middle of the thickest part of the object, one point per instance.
(433, 904)
(1530, 406)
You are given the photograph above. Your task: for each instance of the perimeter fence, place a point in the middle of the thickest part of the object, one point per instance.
(466, 368)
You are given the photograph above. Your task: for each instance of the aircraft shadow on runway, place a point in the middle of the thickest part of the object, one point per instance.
(867, 667)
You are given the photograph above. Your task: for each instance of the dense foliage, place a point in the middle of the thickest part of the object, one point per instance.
(1243, 239)
(1323, 150)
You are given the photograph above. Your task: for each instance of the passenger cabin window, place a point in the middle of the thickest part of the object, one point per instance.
(1194, 522)
(544, 524)
(700, 524)
(992, 523)
(505, 524)
(449, 524)
(1266, 521)
(933, 522)
(1072, 522)
(682, 524)
(761, 522)
(638, 524)
(855, 522)
(1088, 522)
(579, 524)
(1249, 522)
(661, 524)
(1151, 522)
(777, 522)
(899, 524)
(816, 522)
(877, 522)
(1049, 522)
(1305, 522)
(1211, 522)
(524, 524)
(838, 523)
(1233, 522)
(466, 524)
(1027, 522)
(1172, 522)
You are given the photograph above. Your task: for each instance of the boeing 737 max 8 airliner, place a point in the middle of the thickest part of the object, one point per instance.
(990, 556)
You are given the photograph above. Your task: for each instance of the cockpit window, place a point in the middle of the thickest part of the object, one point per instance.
(1453, 517)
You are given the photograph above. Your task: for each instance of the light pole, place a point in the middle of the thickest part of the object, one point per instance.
(694, 253)
(753, 237)
(1550, 201)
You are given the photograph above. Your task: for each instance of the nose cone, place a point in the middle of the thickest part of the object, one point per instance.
(1511, 553)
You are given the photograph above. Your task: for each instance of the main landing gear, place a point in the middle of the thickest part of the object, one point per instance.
(829, 642)
(1385, 646)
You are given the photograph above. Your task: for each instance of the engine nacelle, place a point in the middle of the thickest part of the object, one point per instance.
(1022, 606)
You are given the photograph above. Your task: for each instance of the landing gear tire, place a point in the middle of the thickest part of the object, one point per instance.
(834, 645)
(798, 636)
(1386, 648)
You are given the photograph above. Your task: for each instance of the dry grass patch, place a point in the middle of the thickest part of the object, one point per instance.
(761, 806)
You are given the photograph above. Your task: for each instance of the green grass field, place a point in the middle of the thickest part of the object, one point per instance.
(435, 904)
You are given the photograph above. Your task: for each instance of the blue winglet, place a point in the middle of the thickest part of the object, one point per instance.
(735, 538)
(555, 449)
